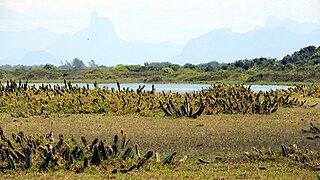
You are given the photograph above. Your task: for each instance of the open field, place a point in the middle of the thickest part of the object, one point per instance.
(223, 131)
(221, 139)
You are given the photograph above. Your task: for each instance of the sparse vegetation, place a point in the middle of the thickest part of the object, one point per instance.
(222, 111)
(221, 140)
(224, 131)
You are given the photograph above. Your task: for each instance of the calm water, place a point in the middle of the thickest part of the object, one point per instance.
(172, 87)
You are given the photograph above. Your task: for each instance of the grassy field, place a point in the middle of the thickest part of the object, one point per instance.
(221, 139)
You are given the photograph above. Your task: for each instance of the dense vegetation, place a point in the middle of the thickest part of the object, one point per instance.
(21, 100)
(301, 66)
(43, 153)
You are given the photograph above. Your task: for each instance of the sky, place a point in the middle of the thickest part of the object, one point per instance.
(176, 21)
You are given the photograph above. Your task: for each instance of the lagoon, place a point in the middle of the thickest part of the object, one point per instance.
(168, 87)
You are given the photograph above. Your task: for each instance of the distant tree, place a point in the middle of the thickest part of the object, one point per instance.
(134, 68)
(66, 65)
(121, 68)
(5, 67)
(225, 66)
(105, 67)
(189, 65)
(92, 64)
(157, 66)
(238, 64)
(77, 63)
(49, 67)
(210, 68)
(167, 70)
(161, 64)
(174, 67)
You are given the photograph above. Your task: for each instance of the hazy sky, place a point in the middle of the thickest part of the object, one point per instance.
(153, 20)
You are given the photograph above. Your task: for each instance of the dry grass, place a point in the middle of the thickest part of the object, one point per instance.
(217, 133)
(226, 136)
(197, 171)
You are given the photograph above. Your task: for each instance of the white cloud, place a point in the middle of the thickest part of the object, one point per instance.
(154, 20)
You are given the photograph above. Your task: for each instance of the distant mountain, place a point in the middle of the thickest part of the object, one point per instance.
(41, 57)
(98, 41)
(291, 25)
(17, 44)
(223, 45)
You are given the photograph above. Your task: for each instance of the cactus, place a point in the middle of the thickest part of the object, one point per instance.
(125, 139)
(168, 159)
(103, 150)
(185, 109)
(118, 85)
(312, 130)
(94, 142)
(46, 162)
(84, 141)
(207, 162)
(137, 151)
(199, 110)
(28, 158)
(178, 113)
(96, 157)
(168, 113)
(127, 153)
(20, 157)
(132, 167)
(116, 139)
(47, 154)
(70, 98)
(11, 163)
(157, 157)
(144, 159)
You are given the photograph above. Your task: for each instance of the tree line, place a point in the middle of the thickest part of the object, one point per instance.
(302, 65)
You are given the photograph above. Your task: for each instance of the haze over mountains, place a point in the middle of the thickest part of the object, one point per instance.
(100, 42)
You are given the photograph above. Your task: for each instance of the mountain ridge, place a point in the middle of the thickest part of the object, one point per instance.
(100, 42)
(224, 45)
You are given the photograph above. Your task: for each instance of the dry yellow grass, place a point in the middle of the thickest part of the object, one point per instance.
(208, 137)
(216, 133)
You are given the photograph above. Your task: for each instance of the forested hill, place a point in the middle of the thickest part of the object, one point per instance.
(301, 66)
(307, 59)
